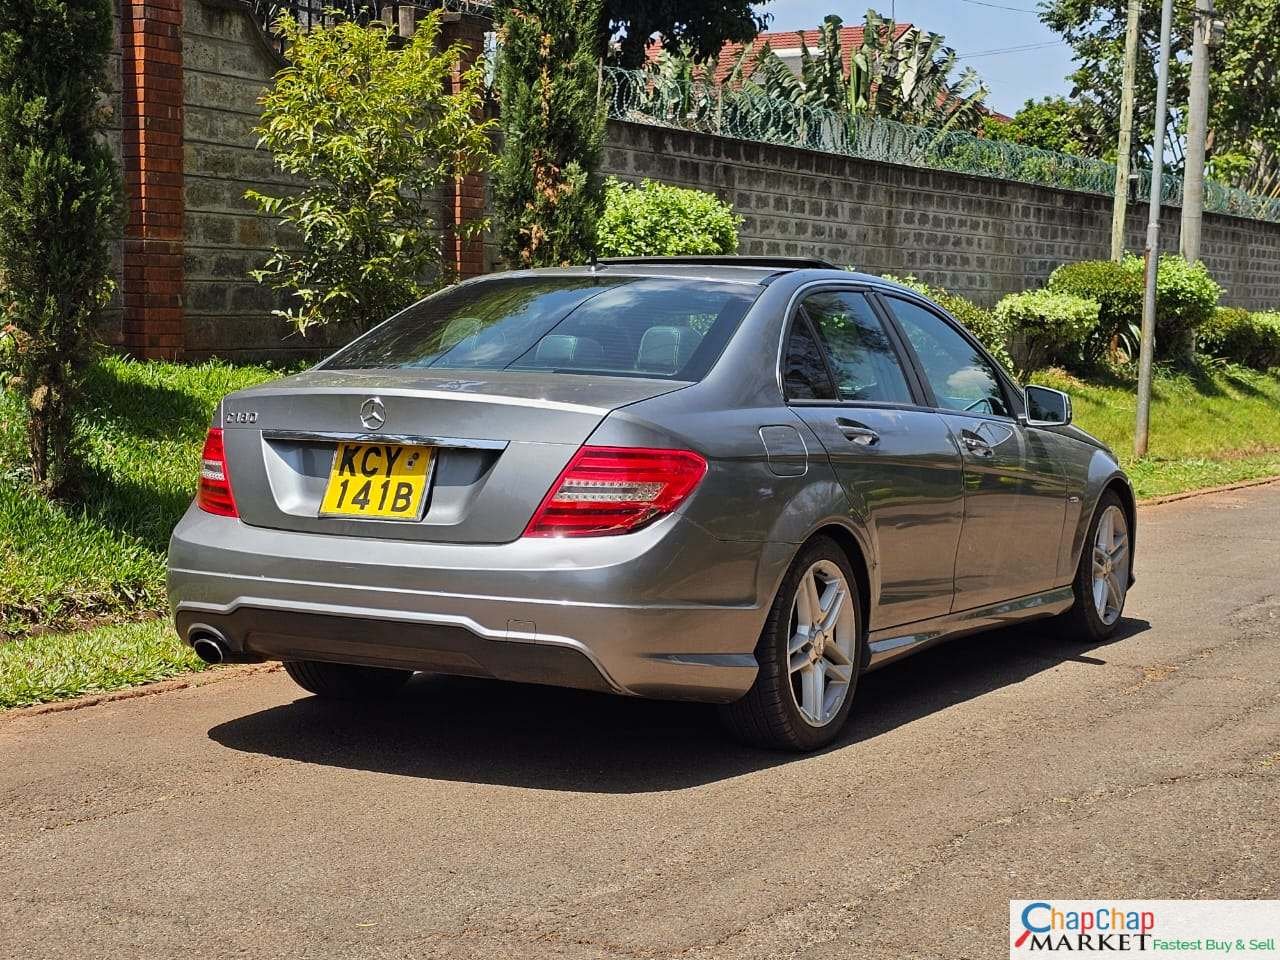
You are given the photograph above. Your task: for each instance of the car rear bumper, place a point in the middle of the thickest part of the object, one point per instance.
(668, 612)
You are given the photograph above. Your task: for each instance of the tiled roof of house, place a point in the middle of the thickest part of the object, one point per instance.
(783, 40)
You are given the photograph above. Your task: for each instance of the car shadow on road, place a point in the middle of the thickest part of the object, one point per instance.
(488, 731)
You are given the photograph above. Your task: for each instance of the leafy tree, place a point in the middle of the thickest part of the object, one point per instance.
(1054, 123)
(657, 220)
(59, 209)
(701, 27)
(548, 192)
(1244, 98)
(368, 126)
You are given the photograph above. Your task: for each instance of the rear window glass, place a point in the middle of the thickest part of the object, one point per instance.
(619, 326)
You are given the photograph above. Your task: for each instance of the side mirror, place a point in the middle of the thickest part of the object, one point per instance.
(1047, 407)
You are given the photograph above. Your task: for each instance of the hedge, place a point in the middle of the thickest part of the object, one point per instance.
(1186, 297)
(1115, 288)
(1046, 327)
(1235, 334)
(657, 220)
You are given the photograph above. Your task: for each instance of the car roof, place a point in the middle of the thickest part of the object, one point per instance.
(725, 271)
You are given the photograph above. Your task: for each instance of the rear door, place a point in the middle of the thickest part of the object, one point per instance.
(844, 375)
(1015, 497)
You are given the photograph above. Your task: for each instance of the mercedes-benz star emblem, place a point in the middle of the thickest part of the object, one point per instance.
(373, 414)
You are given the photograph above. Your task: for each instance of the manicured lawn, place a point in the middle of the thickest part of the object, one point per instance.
(142, 430)
(38, 669)
(1215, 427)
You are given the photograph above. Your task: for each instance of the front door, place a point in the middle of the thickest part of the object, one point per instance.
(844, 376)
(1015, 499)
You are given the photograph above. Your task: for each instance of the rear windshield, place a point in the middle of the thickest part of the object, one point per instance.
(619, 326)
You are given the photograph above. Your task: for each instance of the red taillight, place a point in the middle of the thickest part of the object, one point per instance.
(608, 490)
(214, 495)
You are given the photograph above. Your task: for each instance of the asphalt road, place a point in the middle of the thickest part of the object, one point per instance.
(481, 820)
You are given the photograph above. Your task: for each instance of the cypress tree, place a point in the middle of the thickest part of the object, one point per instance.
(548, 192)
(59, 209)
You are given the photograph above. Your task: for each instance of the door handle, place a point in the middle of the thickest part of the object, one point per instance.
(976, 445)
(857, 433)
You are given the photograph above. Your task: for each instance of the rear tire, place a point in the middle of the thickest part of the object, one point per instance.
(810, 652)
(1102, 576)
(345, 681)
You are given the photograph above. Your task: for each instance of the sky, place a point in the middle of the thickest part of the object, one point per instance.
(973, 28)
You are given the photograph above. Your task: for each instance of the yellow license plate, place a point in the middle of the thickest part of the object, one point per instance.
(377, 481)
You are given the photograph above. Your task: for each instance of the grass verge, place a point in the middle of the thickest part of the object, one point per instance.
(1215, 426)
(141, 434)
(41, 669)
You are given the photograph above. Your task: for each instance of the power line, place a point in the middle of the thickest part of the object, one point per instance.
(1019, 49)
(1001, 6)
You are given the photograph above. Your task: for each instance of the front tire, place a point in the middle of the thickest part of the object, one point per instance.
(345, 681)
(810, 655)
(1102, 577)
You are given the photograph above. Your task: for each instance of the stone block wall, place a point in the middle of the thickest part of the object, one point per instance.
(979, 237)
(227, 66)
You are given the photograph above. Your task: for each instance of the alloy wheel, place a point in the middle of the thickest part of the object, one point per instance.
(821, 644)
(1110, 564)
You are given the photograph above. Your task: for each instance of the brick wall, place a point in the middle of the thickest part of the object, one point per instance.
(151, 98)
(980, 237)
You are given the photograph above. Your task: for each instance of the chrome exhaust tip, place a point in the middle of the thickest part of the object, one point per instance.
(209, 647)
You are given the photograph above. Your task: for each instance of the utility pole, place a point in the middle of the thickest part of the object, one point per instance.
(1197, 130)
(1152, 251)
(1124, 149)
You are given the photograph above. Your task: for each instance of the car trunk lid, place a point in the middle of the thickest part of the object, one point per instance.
(499, 439)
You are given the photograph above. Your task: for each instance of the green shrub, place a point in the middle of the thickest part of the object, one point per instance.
(1047, 327)
(1185, 299)
(1117, 291)
(365, 122)
(1235, 334)
(991, 331)
(657, 220)
(547, 188)
(59, 212)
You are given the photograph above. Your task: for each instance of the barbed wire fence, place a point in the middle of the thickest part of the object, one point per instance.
(649, 97)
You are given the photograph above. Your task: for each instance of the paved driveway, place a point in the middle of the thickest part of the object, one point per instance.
(472, 819)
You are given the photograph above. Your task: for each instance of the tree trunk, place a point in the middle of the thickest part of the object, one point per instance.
(49, 436)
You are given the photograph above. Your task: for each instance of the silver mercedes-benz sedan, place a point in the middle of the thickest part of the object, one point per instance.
(738, 480)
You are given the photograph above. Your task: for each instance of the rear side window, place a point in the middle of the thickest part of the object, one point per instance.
(864, 362)
(804, 374)
(619, 326)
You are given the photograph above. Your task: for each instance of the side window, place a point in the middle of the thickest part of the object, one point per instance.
(861, 355)
(961, 377)
(804, 374)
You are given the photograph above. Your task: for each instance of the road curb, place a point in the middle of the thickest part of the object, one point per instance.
(216, 675)
(1206, 491)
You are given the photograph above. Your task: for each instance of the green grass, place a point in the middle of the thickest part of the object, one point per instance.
(1215, 426)
(142, 428)
(40, 669)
